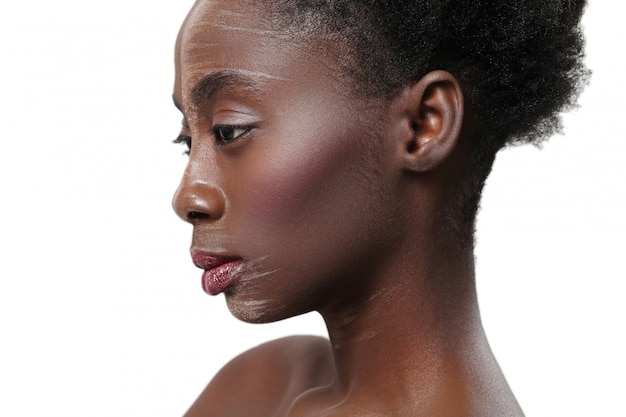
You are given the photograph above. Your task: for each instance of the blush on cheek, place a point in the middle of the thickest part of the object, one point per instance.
(309, 190)
(287, 189)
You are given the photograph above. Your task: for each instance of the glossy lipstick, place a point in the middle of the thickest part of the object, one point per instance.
(220, 272)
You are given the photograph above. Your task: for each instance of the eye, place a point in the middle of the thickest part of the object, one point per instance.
(225, 134)
(185, 140)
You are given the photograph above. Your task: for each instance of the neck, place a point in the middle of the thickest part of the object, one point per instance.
(419, 335)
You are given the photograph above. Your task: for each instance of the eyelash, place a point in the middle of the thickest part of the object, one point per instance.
(186, 140)
(221, 137)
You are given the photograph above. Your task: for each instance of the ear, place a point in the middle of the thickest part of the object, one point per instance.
(433, 108)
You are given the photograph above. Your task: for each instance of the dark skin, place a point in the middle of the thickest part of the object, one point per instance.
(334, 204)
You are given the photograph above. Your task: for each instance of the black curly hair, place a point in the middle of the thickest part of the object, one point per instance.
(519, 63)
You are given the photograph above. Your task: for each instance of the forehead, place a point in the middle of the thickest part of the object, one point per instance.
(235, 36)
(207, 17)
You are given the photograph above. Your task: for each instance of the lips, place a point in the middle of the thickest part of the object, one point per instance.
(220, 272)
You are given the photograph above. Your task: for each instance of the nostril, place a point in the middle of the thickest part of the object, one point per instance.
(197, 215)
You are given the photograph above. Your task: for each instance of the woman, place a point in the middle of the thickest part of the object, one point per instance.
(337, 151)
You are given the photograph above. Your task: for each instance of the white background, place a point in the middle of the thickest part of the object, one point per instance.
(101, 311)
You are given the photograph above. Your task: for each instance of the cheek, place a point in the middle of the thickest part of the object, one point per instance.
(307, 190)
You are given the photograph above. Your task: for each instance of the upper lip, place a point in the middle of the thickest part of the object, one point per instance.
(208, 261)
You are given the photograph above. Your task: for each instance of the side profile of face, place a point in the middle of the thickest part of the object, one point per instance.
(289, 174)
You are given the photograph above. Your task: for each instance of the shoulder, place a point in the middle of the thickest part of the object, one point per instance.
(267, 378)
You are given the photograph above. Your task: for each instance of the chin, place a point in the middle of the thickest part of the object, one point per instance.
(260, 311)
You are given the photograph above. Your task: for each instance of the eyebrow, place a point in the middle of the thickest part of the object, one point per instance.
(218, 80)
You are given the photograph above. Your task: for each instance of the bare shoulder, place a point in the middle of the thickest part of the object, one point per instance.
(266, 379)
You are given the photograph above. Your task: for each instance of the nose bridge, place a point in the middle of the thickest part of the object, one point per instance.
(199, 196)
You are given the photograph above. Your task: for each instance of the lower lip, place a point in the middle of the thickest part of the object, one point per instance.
(220, 278)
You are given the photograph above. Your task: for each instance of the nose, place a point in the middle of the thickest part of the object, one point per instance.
(197, 200)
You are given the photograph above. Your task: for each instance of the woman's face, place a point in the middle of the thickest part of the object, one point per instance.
(290, 182)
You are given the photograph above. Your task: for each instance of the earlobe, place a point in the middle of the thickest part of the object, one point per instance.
(434, 111)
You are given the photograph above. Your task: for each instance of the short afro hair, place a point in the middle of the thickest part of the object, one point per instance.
(519, 63)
